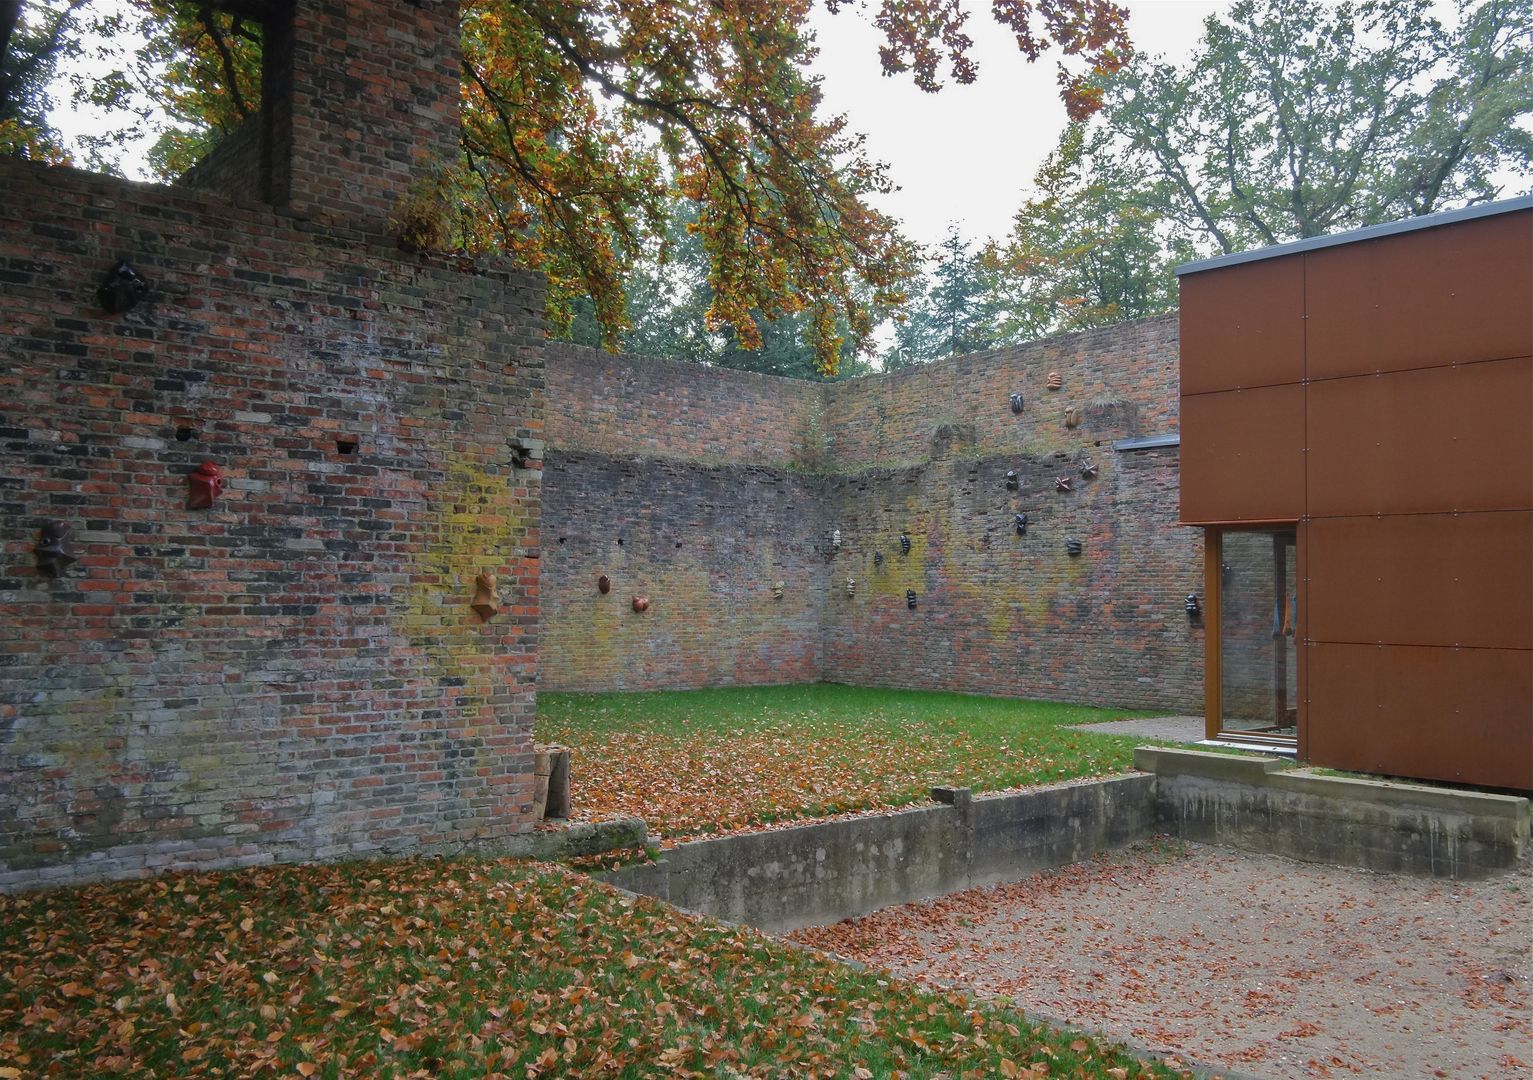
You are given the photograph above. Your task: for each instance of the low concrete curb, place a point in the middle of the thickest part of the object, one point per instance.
(1267, 805)
(813, 874)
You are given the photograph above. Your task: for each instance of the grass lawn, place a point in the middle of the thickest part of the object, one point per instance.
(700, 762)
(464, 968)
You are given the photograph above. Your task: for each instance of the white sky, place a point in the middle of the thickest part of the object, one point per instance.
(965, 154)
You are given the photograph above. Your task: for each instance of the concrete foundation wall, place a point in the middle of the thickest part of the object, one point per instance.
(813, 874)
(1262, 804)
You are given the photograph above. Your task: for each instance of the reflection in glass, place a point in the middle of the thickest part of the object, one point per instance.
(1258, 659)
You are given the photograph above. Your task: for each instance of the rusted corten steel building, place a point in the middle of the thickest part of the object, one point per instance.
(1357, 444)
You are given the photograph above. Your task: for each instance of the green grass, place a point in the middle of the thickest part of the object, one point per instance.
(708, 761)
(464, 968)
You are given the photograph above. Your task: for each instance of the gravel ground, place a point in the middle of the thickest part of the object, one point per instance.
(1252, 964)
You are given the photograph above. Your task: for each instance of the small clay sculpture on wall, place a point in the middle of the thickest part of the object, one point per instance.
(910, 599)
(1088, 468)
(122, 289)
(1193, 605)
(641, 603)
(204, 484)
(1021, 523)
(904, 543)
(603, 584)
(851, 586)
(1016, 403)
(1012, 481)
(1072, 417)
(1061, 483)
(52, 550)
(1072, 547)
(778, 589)
(485, 603)
(1055, 382)
(878, 558)
(835, 540)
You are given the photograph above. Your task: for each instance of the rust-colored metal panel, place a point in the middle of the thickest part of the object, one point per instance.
(1242, 456)
(1423, 441)
(1457, 293)
(1422, 579)
(1243, 326)
(1463, 715)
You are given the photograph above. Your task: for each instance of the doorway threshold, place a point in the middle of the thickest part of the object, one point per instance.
(1277, 749)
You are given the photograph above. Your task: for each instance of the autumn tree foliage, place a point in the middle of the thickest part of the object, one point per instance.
(582, 121)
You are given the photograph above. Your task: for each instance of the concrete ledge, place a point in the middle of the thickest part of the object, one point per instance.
(827, 871)
(1262, 804)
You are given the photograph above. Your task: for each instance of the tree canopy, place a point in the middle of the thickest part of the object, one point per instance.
(1292, 118)
(1296, 118)
(582, 121)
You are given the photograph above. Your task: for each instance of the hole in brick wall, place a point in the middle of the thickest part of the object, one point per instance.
(185, 433)
(346, 446)
(561, 540)
(619, 541)
(678, 544)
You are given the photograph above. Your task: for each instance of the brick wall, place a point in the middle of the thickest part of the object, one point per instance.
(295, 672)
(627, 405)
(660, 450)
(706, 544)
(1122, 380)
(235, 167)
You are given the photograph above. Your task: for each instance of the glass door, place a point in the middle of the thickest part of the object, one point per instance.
(1253, 677)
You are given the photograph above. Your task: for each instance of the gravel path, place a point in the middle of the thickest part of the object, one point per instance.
(1254, 964)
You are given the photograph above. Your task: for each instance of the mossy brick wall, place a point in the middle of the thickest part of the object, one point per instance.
(999, 613)
(674, 453)
(706, 544)
(295, 672)
(926, 451)
(687, 485)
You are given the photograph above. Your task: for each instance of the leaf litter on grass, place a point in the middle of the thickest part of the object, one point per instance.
(707, 762)
(464, 968)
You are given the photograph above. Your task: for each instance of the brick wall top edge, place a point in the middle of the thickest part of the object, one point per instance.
(19, 178)
(1078, 341)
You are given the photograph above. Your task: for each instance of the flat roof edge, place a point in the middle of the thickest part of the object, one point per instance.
(1368, 232)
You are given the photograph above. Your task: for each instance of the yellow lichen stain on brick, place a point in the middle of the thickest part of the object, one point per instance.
(475, 524)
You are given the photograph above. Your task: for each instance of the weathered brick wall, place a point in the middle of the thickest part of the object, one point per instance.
(622, 405)
(364, 102)
(706, 544)
(656, 448)
(1122, 379)
(926, 452)
(685, 484)
(234, 168)
(295, 672)
(999, 613)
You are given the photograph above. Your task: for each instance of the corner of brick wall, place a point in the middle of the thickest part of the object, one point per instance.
(704, 488)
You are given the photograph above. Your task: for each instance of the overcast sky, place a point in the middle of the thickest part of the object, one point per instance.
(965, 154)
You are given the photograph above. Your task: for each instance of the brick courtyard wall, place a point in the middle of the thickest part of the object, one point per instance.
(721, 483)
(687, 485)
(926, 452)
(296, 671)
